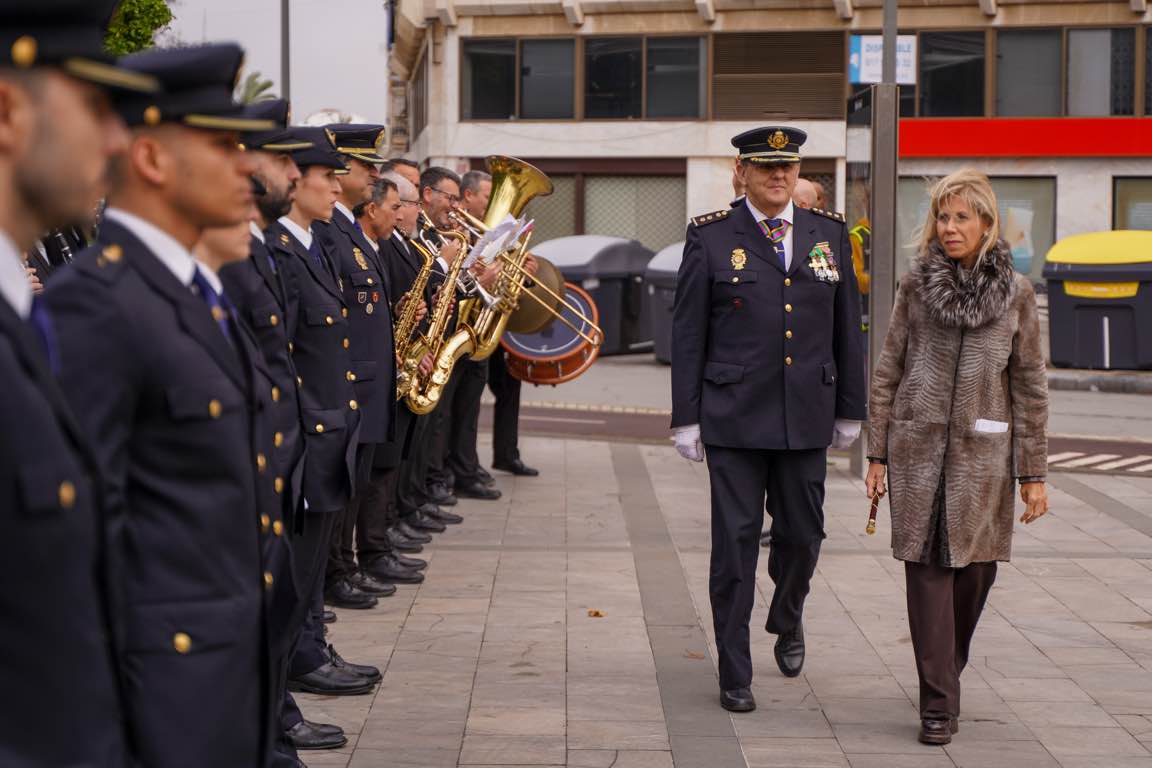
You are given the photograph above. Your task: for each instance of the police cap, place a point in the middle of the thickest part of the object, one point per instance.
(280, 138)
(68, 34)
(321, 150)
(361, 141)
(770, 145)
(196, 89)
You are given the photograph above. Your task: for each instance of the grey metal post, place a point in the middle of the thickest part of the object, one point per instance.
(285, 57)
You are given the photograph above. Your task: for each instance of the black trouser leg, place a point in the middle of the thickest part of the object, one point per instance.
(795, 500)
(944, 606)
(341, 557)
(506, 412)
(412, 490)
(439, 429)
(462, 460)
(376, 515)
(311, 552)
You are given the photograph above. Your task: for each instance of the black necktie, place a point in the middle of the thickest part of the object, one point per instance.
(217, 303)
(41, 322)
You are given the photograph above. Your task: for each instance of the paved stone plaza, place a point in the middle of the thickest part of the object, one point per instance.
(568, 625)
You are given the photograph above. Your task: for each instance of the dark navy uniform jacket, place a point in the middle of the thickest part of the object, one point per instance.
(256, 287)
(56, 661)
(321, 345)
(761, 358)
(365, 288)
(179, 414)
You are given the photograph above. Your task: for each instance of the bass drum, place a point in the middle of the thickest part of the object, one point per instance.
(556, 353)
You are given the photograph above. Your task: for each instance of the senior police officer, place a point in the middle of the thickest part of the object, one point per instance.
(172, 390)
(767, 371)
(57, 133)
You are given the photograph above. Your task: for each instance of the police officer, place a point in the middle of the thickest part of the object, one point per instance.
(59, 132)
(767, 371)
(171, 388)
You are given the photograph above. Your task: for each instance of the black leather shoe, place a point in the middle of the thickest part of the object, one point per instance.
(343, 594)
(387, 570)
(790, 651)
(477, 490)
(934, 731)
(306, 735)
(328, 617)
(405, 529)
(365, 671)
(422, 522)
(485, 477)
(329, 680)
(516, 467)
(398, 542)
(738, 700)
(366, 582)
(441, 496)
(441, 515)
(410, 562)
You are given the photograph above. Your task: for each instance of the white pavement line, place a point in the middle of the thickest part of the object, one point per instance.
(1144, 468)
(562, 419)
(1123, 462)
(1085, 461)
(1064, 456)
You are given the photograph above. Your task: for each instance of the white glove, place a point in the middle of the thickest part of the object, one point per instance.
(688, 444)
(844, 434)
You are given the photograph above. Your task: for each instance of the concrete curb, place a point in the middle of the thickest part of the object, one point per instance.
(1126, 382)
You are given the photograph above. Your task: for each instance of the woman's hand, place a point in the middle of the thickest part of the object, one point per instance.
(1035, 495)
(874, 480)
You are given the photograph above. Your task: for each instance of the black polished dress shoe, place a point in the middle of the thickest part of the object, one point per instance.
(405, 528)
(790, 651)
(516, 467)
(441, 515)
(343, 594)
(328, 617)
(401, 543)
(934, 731)
(366, 671)
(738, 700)
(329, 680)
(441, 496)
(422, 522)
(366, 582)
(410, 562)
(485, 477)
(306, 735)
(477, 490)
(388, 570)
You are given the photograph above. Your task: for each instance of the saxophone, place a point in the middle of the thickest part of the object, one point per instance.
(423, 391)
(405, 329)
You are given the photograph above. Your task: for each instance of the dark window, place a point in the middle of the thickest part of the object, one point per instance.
(546, 79)
(770, 76)
(1101, 71)
(419, 94)
(1028, 73)
(612, 77)
(951, 74)
(675, 76)
(489, 79)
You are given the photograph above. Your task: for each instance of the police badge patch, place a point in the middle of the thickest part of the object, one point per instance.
(359, 256)
(362, 297)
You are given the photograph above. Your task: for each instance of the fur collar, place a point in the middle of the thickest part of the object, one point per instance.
(956, 300)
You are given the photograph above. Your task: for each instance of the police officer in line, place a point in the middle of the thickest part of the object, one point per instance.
(256, 287)
(171, 388)
(364, 280)
(59, 133)
(767, 371)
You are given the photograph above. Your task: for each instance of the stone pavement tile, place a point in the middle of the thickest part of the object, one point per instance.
(1055, 632)
(328, 758)
(484, 749)
(794, 753)
(767, 722)
(1111, 761)
(1092, 656)
(1131, 637)
(517, 721)
(880, 738)
(405, 757)
(1066, 741)
(1062, 713)
(627, 697)
(617, 735)
(833, 686)
(967, 753)
(401, 730)
(619, 759)
(868, 711)
(1093, 600)
(1115, 686)
(923, 760)
(1038, 689)
(1029, 664)
(348, 712)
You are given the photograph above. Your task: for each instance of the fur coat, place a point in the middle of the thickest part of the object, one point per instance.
(961, 388)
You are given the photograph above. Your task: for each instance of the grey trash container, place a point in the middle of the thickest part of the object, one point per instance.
(611, 269)
(660, 285)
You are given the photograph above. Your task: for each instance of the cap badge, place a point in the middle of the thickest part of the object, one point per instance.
(24, 51)
(778, 140)
(739, 259)
(152, 115)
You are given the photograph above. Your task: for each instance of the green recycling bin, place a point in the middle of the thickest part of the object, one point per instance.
(1100, 300)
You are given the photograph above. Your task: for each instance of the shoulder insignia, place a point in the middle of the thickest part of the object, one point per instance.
(284, 238)
(709, 218)
(828, 214)
(103, 263)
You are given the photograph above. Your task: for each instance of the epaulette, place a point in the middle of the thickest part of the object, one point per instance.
(828, 214)
(709, 218)
(107, 264)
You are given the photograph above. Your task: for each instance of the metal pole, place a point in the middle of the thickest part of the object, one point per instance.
(888, 72)
(285, 58)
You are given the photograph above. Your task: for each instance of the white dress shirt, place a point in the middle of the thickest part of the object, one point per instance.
(14, 285)
(788, 215)
(346, 211)
(256, 232)
(179, 260)
(304, 236)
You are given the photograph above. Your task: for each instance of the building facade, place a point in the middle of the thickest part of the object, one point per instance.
(630, 104)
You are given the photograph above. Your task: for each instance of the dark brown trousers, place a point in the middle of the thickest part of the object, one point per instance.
(944, 605)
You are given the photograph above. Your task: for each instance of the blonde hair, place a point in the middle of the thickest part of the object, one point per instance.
(974, 189)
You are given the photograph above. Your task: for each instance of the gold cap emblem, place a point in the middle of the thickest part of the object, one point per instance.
(152, 115)
(24, 51)
(778, 140)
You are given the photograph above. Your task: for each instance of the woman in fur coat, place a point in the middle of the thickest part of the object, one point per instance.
(959, 413)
